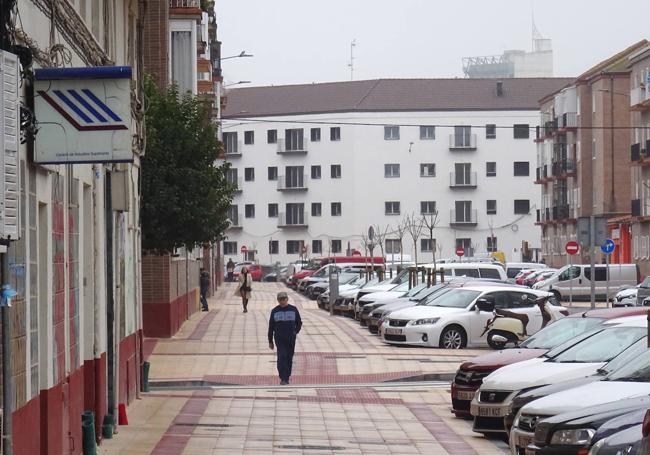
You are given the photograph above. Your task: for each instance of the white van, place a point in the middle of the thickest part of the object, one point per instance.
(513, 268)
(578, 279)
(471, 270)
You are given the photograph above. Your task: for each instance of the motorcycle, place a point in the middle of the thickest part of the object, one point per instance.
(507, 327)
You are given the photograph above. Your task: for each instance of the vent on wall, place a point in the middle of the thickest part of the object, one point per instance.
(499, 88)
(9, 176)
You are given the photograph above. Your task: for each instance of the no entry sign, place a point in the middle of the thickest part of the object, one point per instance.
(460, 251)
(572, 247)
(243, 249)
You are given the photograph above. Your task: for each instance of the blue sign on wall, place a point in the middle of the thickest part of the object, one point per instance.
(608, 246)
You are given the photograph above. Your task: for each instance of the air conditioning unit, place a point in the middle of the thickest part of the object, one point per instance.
(9, 144)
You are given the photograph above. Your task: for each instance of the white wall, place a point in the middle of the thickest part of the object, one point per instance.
(362, 190)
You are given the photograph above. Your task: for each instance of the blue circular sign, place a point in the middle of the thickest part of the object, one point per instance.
(608, 246)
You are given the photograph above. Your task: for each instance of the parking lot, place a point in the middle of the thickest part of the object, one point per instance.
(215, 390)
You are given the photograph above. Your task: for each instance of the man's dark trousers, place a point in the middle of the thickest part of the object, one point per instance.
(285, 347)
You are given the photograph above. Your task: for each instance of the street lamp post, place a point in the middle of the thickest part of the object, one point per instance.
(237, 83)
(241, 54)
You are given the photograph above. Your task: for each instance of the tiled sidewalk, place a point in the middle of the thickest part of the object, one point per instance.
(338, 402)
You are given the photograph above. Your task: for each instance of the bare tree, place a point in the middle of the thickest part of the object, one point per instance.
(414, 227)
(380, 237)
(401, 230)
(430, 222)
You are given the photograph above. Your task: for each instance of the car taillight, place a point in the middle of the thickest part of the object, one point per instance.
(645, 428)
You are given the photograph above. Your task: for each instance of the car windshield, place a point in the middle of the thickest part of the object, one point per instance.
(559, 332)
(631, 354)
(637, 371)
(426, 292)
(416, 290)
(404, 287)
(370, 283)
(454, 298)
(512, 272)
(347, 278)
(602, 346)
(401, 277)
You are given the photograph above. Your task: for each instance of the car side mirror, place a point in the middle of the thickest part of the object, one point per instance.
(484, 304)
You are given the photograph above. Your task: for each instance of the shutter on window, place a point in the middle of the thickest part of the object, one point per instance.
(9, 185)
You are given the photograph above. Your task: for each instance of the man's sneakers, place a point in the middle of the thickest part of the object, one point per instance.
(283, 382)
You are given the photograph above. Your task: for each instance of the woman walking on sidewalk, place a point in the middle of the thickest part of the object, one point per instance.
(245, 281)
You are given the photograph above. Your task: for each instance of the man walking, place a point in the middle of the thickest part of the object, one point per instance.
(284, 325)
(204, 278)
(230, 270)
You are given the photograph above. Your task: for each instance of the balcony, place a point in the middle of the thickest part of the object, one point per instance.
(236, 222)
(563, 212)
(233, 149)
(567, 121)
(563, 168)
(635, 152)
(542, 174)
(294, 220)
(462, 180)
(292, 184)
(463, 218)
(185, 9)
(640, 98)
(462, 142)
(238, 182)
(291, 147)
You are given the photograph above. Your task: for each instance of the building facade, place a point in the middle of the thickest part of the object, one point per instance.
(318, 164)
(639, 222)
(76, 321)
(583, 159)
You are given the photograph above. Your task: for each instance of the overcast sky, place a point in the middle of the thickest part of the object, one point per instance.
(304, 41)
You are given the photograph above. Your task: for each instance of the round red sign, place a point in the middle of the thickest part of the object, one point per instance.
(460, 251)
(572, 247)
(243, 249)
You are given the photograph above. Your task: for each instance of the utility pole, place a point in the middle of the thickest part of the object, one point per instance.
(592, 260)
(353, 44)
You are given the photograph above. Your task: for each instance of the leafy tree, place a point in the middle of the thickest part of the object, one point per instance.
(185, 194)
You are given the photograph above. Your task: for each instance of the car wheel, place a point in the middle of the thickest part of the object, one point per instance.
(453, 337)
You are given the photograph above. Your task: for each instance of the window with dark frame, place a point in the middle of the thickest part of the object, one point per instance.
(521, 131)
(336, 246)
(316, 209)
(491, 207)
(492, 244)
(490, 131)
(294, 140)
(391, 170)
(294, 246)
(335, 133)
(274, 247)
(249, 174)
(427, 170)
(391, 133)
(521, 168)
(315, 172)
(230, 142)
(233, 215)
(427, 207)
(249, 137)
(393, 246)
(317, 246)
(273, 210)
(427, 132)
(426, 245)
(294, 214)
(336, 208)
(249, 210)
(273, 173)
(272, 136)
(391, 208)
(315, 134)
(491, 169)
(522, 206)
(335, 171)
(230, 247)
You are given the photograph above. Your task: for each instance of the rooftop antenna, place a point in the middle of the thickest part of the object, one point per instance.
(353, 44)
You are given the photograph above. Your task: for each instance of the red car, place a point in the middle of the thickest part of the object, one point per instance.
(469, 376)
(521, 276)
(254, 269)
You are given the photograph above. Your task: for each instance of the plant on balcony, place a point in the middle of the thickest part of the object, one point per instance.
(185, 196)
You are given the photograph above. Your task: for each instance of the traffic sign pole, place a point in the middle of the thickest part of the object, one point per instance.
(572, 247)
(607, 248)
(592, 261)
(607, 288)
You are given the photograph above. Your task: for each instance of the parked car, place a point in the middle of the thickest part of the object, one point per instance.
(371, 301)
(643, 291)
(345, 301)
(521, 276)
(538, 275)
(323, 299)
(584, 356)
(576, 432)
(576, 278)
(316, 289)
(254, 269)
(631, 380)
(627, 441)
(452, 320)
(513, 268)
(626, 297)
(470, 374)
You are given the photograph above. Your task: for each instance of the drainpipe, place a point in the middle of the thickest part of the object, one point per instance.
(612, 196)
(7, 382)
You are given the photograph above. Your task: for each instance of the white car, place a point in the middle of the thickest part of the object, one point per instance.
(579, 357)
(628, 381)
(625, 297)
(452, 320)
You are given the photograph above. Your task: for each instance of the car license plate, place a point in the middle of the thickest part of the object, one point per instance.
(523, 440)
(489, 412)
(467, 396)
(392, 331)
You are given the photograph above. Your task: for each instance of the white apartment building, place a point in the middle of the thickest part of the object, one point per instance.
(317, 164)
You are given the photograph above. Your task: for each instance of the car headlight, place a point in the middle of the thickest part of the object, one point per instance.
(427, 321)
(596, 447)
(576, 437)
